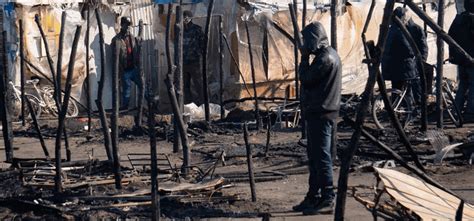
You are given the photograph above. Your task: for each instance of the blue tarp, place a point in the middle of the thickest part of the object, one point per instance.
(177, 1)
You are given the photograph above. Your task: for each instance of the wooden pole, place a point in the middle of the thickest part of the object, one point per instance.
(89, 80)
(37, 128)
(155, 196)
(205, 80)
(58, 187)
(363, 106)
(296, 54)
(419, 58)
(141, 88)
(178, 75)
(59, 65)
(22, 74)
(115, 116)
(439, 67)
(303, 16)
(334, 7)
(236, 63)
(254, 81)
(98, 101)
(248, 149)
(221, 66)
(7, 128)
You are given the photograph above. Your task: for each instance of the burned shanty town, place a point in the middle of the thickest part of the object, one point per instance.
(237, 110)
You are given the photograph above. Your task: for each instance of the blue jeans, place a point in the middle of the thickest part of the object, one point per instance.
(127, 78)
(465, 89)
(319, 131)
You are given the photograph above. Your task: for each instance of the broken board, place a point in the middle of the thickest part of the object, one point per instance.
(425, 200)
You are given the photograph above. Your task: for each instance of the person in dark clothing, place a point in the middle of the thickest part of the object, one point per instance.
(128, 58)
(193, 44)
(320, 97)
(398, 62)
(462, 31)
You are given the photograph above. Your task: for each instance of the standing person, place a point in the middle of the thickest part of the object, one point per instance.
(129, 59)
(193, 44)
(462, 31)
(399, 62)
(321, 95)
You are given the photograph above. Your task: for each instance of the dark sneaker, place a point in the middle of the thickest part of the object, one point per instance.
(323, 207)
(307, 203)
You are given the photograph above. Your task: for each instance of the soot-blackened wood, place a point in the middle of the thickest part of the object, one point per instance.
(22, 73)
(303, 16)
(7, 128)
(295, 51)
(254, 83)
(460, 211)
(155, 196)
(178, 75)
(38, 129)
(236, 64)
(334, 7)
(438, 30)
(205, 80)
(440, 67)
(141, 88)
(363, 107)
(248, 149)
(59, 65)
(100, 107)
(221, 66)
(58, 187)
(419, 58)
(114, 117)
(88, 74)
(269, 132)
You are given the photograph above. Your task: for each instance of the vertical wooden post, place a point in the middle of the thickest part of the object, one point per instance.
(59, 65)
(62, 115)
(205, 67)
(22, 73)
(439, 67)
(115, 116)
(178, 75)
(303, 23)
(295, 52)
(141, 88)
(89, 80)
(254, 82)
(7, 128)
(248, 149)
(334, 7)
(221, 66)
(155, 196)
(100, 107)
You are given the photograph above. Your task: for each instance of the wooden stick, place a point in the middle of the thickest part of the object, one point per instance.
(419, 58)
(155, 197)
(62, 115)
(236, 64)
(115, 115)
(334, 6)
(205, 80)
(59, 66)
(439, 67)
(221, 66)
(254, 83)
(269, 133)
(89, 80)
(299, 42)
(141, 88)
(22, 73)
(303, 16)
(460, 211)
(178, 75)
(100, 107)
(438, 30)
(296, 49)
(5, 103)
(248, 149)
(38, 129)
(48, 55)
(363, 107)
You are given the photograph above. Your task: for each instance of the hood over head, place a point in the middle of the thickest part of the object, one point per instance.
(469, 5)
(314, 37)
(402, 14)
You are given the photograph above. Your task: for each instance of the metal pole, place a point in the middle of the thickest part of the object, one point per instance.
(7, 128)
(205, 80)
(22, 73)
(254, 82)
(178, 76)
(100, 107)
(248, 149)
(439, 67)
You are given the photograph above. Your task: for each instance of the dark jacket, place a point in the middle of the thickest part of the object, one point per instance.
(119, 41)
(320, 80)
(193, 43)
(398, 61)
(462, 31)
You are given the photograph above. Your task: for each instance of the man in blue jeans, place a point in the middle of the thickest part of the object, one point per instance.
(321, 95)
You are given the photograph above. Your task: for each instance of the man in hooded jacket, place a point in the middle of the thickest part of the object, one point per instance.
(462, 31)
(321, 95)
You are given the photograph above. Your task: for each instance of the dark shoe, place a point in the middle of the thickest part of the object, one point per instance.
(307, 203)
(323, 207)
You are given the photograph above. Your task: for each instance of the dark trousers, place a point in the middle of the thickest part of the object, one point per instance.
(319, 156)
(192, 77)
